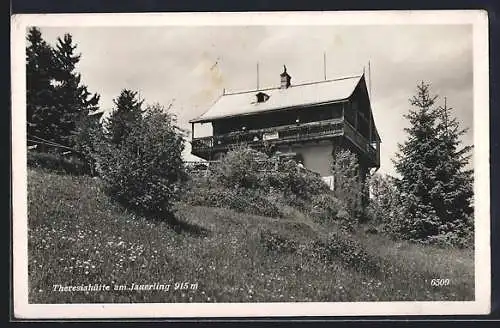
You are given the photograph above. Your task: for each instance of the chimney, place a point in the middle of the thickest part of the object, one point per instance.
(285, 78)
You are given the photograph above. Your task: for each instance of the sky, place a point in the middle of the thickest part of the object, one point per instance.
(190, 66)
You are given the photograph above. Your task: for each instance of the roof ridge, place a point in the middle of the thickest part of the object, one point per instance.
(294, 85)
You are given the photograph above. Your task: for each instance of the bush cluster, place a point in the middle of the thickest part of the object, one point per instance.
(388, 210)
(236, 182)
(384, 207)
(352, 253)
(239, 199)
(88, 134)
(57, 163)
(241, 168)
(350, 186)
(249, 181)
(298, 186)
(145, 170)
(326, 207)
(454, 234)
(275, 242)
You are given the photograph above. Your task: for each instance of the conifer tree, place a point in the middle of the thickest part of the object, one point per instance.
(56, 98)
(39, 74)
(72, 100)
(128, 112)
(456, 179)
(435, 189)
(417, 162)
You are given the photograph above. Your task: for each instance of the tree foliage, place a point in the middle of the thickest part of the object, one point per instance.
(349, 185)
(453, 171)
(72, 100)
(435, 186)
(56, 98)
(145, 171)
(89, 133)
(127, 113)
(384, 208)
(39, 64)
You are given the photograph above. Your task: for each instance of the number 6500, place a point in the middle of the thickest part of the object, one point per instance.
(440, 282)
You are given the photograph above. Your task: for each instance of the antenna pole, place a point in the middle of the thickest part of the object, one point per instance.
(257, 75)
(324, 64)
(369, 78)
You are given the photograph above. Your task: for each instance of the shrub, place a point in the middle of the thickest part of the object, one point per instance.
(239, 199)
(242, 168)
(57, 163)
(300, 183)
(371, 230)
(341, 246)
(349, 184)
(197, 168)
(250, 181)
(145, 171)
(275, 242)
(388, 210)
(384, 207)
(89, 134)
(326, 207)
(248, 168)
(457, 234)
(298, 186)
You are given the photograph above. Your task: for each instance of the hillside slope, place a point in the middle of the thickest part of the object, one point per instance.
(78, 236)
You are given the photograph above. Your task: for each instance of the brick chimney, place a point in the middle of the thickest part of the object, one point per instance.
(285, 78)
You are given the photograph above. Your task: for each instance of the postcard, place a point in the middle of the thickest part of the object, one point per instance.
(250, 164)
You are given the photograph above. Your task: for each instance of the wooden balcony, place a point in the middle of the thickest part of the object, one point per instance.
(370, 151)
(205, 147)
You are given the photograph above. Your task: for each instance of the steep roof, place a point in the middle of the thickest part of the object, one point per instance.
(307, 94)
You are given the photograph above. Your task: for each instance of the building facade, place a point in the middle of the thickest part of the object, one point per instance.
(308, 122)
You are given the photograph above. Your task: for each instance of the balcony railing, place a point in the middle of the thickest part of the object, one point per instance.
(202, 143)
(279, 134)
(286, 134)
(360, 141)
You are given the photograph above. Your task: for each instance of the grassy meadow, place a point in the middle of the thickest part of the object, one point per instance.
(78, 236)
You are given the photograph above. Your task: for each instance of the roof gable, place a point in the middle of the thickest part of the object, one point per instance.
(362, 90)
(306, 94)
